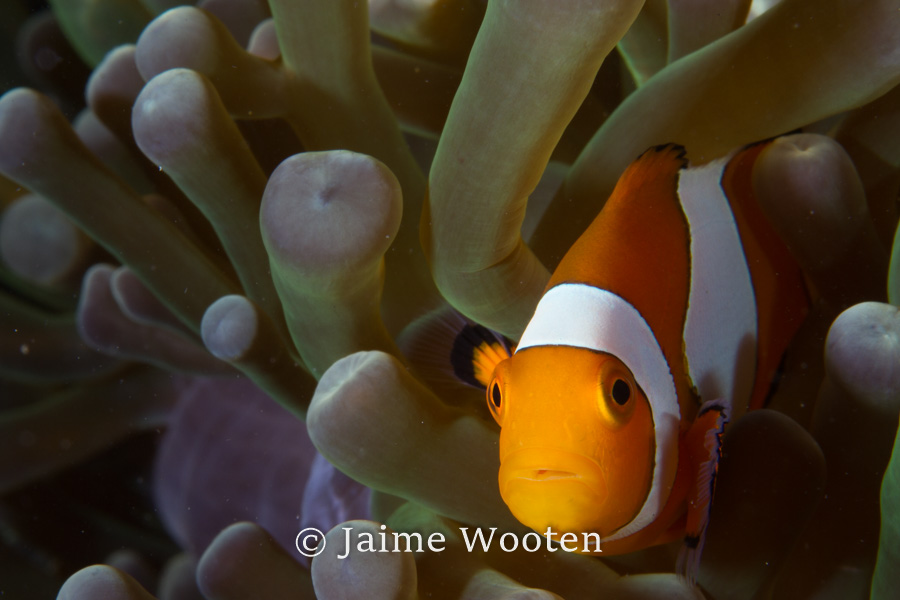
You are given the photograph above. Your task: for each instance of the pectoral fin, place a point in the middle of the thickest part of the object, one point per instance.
(703, 442)
(444, 346)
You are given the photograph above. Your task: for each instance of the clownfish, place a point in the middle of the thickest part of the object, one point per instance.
(667, 317)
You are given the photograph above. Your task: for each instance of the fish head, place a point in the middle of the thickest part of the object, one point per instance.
(577, 441)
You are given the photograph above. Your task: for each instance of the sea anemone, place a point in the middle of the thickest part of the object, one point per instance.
(233, 237)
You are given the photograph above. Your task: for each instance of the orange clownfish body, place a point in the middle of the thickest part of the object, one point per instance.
(667, 317)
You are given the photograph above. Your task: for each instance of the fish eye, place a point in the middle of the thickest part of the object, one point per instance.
(617, 393)
(621, 392)
(495, 399)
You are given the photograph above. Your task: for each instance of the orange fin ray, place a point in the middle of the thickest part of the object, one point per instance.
(476, 351)
(447, 349)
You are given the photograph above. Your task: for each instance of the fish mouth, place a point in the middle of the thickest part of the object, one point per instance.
(545, 474)
(548, 487)
(552, 464)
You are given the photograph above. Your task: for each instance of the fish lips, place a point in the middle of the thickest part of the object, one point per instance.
(549, 487)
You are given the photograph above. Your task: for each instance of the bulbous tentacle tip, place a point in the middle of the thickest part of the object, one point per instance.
(862, 352)
(140, 304)
(237, 331)
(229, 327)
(371, 365)
(190, 38)
(175, 111)
(773, 464)
(330, 213)
(658, 585)
(30, 124)
(184, 36)
(102, 581)
(808, 185)
(240, 18)
(40, 244)
(245, 561)
(115, 83)
(264, 41)
(327, 219)
(134, 565)
(387, 574)
(178, 579)
(107, 328)
(809, 188)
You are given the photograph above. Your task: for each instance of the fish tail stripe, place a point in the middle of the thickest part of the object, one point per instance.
(782, 297)
(584, 316)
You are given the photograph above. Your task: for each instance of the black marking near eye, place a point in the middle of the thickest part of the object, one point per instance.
(495, 394)
(621, 392)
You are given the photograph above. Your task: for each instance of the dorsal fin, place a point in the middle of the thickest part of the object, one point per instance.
(638, 248)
